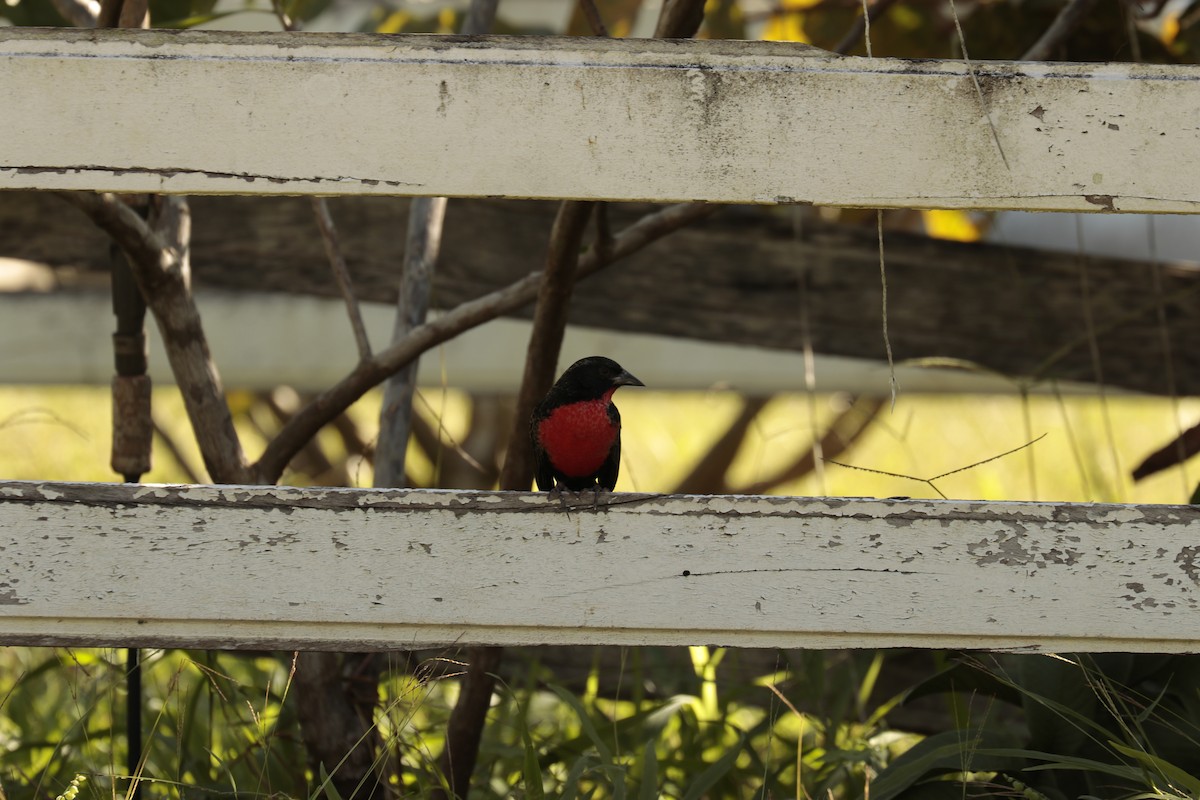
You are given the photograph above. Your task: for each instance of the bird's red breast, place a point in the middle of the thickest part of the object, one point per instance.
(578, 436)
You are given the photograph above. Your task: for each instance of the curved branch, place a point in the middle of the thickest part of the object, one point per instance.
(1064, 24)
(545, 343)
(341, 272)
(159, 262)
(369, 373)
(80, 13)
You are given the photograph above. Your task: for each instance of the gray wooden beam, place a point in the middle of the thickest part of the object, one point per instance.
(545, 117)
(251, 567)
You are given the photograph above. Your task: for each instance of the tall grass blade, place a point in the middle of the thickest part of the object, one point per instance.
(707, 779)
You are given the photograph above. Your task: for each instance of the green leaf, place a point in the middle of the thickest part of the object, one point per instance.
(707, 779)
(1178, 778)
(327, 786)
(532, 770)
(649, 788)
(585, 722)
(966, 750)
(571, 783)
(1055, 761)
(964, 677)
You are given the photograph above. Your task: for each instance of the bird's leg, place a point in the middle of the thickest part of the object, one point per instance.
(559, 493)
(597, 491)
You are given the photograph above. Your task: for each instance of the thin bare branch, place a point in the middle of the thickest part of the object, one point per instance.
(883, 304)
(549, 324)
(844, 431)
(340, 740)
(480, 17)
(859, 28)
(423, 245)
(592, 14)
(337, 261)
(123, 14)
(1016, 449)
(135, 14)
(176, 452)
(367, 374)
(440, 439)
(159, 261)
(1093, 341)
(80, 13)
(110, 13)
(930, 481)
(1168, 350)
(1072, 14)
(420, 257)
(679, 19)
(891, 475)
(469, 714)
(1178, 450)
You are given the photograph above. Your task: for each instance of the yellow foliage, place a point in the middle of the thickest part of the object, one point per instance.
(785, 28)
(787, 23)
(953, 225)
(1170, 28)
(394, 23)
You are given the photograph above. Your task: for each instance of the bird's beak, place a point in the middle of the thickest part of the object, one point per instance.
(626, 379)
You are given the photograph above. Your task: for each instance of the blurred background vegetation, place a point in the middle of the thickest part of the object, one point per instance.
(658, 722)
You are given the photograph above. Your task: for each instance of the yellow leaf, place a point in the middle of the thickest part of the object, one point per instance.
(1169, 29)
(394, 23)
(785, 27)
(953, 225)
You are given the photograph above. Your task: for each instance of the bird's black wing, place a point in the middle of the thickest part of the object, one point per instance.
(607, 474)
(543, 472)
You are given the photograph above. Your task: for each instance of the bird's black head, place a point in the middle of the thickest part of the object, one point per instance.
(589, 378)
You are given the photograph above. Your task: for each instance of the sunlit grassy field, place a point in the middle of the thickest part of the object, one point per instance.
(1087, 449)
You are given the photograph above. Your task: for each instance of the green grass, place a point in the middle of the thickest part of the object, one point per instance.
(62, 433)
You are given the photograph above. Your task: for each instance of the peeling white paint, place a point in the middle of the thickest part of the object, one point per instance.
(240, 566)
(589, 119)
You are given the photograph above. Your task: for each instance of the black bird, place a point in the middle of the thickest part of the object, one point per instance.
(576, 429)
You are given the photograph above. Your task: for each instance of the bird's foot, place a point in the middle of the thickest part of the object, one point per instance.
(568, 497)
(561, 494)
(596, 492)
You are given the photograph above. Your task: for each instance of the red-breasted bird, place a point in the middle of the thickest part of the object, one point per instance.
(576, 429)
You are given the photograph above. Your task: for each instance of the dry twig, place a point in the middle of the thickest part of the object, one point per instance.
(337, 263)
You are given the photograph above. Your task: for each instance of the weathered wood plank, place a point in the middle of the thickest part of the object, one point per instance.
(286, 113)
(735, 278)
(245, 567)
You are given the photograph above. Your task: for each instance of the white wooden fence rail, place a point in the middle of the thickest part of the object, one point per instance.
(236, 113)
(254, 567)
